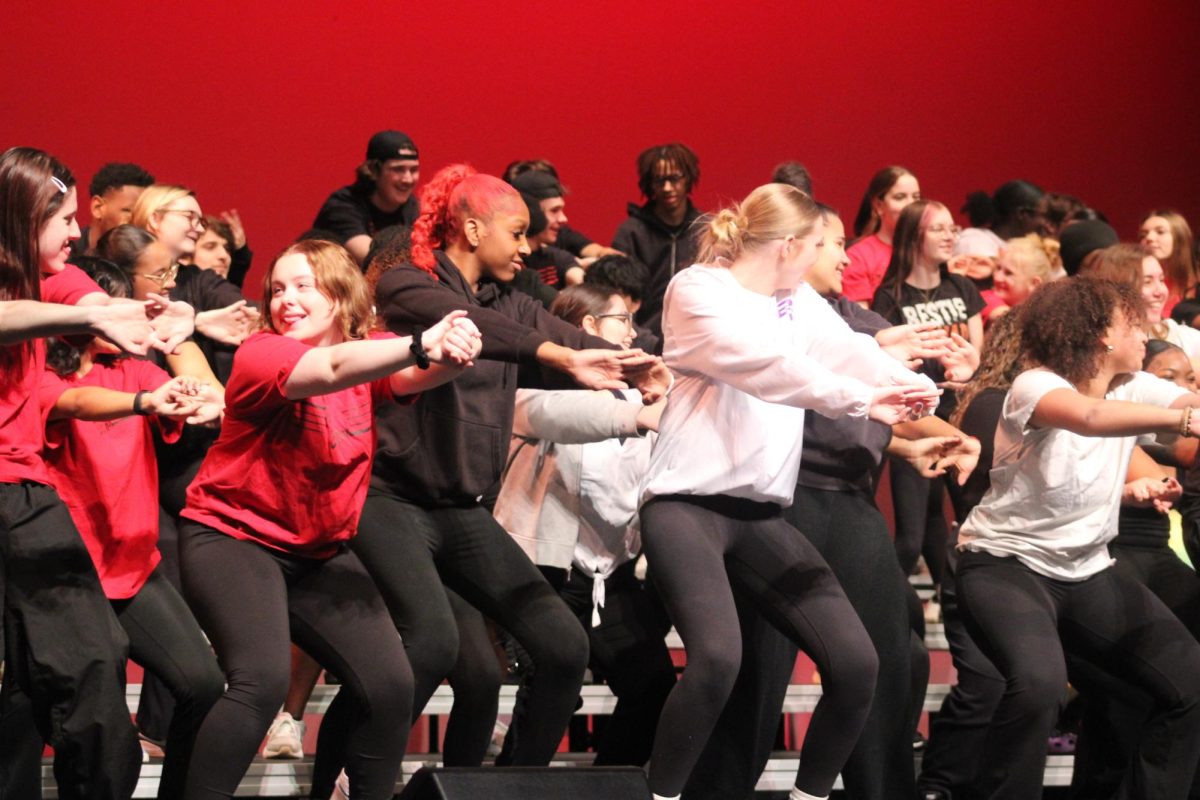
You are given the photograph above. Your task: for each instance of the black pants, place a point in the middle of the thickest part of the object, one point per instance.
(628, 651)
(920, 519)
(64, 649)
(1111, 720)
(1026, 623)
(156, 704)
(251, 601)
(166, 641)
(850, 533)
(411, 551)
(957, 732)
(702, 549)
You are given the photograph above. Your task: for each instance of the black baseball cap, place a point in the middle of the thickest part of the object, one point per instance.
(538, 185)
(387, 145)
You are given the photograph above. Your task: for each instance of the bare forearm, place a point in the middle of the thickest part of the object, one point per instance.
(21, 320)
(93, 404)
(189, 360)
(323, 370)
(925, 426)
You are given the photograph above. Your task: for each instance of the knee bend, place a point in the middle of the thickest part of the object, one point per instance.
(1033, 691)
(261, 688)
(853, 674)
(432, 652)
(565, 652)
(712, 671)
(481, 679)
(202, 687)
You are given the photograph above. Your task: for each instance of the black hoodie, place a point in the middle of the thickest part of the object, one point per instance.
(450, 446)
(664, 250)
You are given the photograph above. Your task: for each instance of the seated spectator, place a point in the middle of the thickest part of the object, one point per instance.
(658, 232)
(114, 189)
(569, 239)
(222, 247)
(381, 195)
(1024, 265)
(890, 190)
(793, 173)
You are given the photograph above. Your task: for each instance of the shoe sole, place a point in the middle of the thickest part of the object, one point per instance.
(284, 751)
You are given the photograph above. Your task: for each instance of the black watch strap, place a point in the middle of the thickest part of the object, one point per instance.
(418, 348)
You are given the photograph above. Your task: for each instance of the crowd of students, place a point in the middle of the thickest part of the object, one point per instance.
(450, 419)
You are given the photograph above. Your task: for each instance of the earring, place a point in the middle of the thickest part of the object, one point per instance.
(1108, 347)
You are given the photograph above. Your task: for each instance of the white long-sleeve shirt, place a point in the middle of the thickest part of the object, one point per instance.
(746, 366)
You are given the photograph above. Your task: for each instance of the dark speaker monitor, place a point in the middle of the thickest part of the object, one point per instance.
(527, 783)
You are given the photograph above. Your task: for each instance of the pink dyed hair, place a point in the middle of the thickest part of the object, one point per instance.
(455, 193)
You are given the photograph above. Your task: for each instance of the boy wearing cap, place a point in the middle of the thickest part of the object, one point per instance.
(382, 194)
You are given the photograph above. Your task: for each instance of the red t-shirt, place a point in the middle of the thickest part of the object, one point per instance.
(288, 474)
(22, 426)
(107, 476)
(869, 259)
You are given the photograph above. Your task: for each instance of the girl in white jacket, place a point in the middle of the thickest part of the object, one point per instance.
(570, 497)
(752, 346)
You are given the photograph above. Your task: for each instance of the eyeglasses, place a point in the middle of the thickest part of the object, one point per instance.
(161, 278)
(627, 318)
(662, 180)
(194, 218)
(942, 230)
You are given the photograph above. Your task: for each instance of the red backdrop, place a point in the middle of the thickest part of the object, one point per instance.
(266, 106)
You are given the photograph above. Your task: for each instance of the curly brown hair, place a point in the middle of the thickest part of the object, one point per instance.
(999, 363)
(1063, 323)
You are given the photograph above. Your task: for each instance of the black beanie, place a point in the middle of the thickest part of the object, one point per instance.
(1080, 238)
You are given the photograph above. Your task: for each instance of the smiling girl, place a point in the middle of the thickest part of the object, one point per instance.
(1133, 266)
(277, 499)
(65, 649)
(890, 190)
(1035, 576)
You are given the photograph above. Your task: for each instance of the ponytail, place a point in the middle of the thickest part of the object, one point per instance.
(430, 231)
(772, 211)
(456, 193)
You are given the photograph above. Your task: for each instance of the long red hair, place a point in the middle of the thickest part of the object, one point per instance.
(455, 193)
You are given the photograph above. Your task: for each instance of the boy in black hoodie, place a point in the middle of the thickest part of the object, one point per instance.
(658, 233)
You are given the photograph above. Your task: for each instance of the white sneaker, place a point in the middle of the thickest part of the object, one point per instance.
(341, 787)
(285, 737)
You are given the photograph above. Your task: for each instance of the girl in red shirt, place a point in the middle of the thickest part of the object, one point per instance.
(263, 542)
(102, 412)
(65, 649)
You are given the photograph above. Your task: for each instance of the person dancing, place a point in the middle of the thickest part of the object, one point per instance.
(752, 347)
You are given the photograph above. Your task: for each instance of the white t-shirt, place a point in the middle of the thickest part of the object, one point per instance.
(1184, 337)
(1055, 495)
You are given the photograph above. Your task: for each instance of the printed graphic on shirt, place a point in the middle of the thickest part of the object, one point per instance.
(950, 312)
(784, 306)
(350, 422)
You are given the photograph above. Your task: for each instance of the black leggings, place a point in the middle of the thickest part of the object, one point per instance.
(702, 549)
(957, 732)
(1111, 719)
(410, 551)
(63, 648)
(1026, 623)
(920, 519)
(852, 536)
(251, 601)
